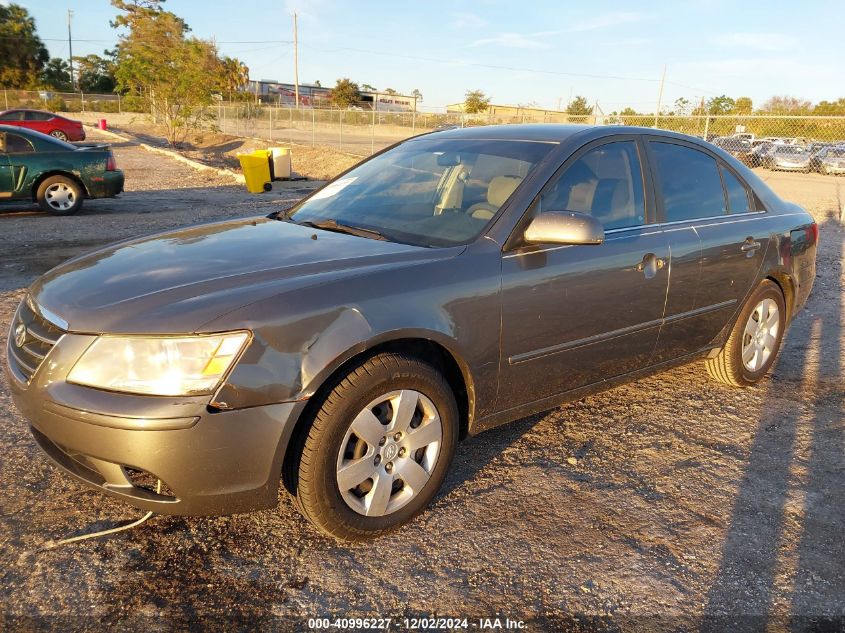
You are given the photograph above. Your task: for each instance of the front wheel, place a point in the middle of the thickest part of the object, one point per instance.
(60, 195)
(378, 449)
(754, 341)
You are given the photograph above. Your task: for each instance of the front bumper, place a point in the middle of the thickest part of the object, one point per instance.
(791, 167)
(833, 169)
(208, 462)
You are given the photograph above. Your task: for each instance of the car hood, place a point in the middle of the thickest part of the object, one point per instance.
(176, 282)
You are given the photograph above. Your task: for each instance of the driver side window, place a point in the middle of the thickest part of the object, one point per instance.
(605, 183)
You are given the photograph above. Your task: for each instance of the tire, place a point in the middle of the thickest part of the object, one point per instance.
(375, 398)
(59, 135)
(60, 195)
(745, 358)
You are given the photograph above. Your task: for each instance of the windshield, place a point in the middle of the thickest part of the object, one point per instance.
(837, 153)
(791, 150)
(426, 192)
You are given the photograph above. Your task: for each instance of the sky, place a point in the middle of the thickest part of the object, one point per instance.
(540, 53)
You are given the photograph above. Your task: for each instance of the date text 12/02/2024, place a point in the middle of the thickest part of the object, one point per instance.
(418, 624)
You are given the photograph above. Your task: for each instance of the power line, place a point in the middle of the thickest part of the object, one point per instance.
(480, 65)
(116, 41)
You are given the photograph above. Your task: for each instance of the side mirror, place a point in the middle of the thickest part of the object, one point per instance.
(564, 227)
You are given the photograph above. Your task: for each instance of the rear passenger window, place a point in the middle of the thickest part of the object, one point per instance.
(17, 144)
(688, 181)
(37, 116)
(737, 193)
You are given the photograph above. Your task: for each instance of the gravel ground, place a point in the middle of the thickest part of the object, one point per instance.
(672, 503)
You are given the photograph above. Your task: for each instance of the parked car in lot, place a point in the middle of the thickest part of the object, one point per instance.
(56, 175)
(47, 123)
(457, 281)
(829, 160)
(788, 158)
(736, 146)
(759, 155)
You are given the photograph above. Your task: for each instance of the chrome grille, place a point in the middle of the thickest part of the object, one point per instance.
(30, 340)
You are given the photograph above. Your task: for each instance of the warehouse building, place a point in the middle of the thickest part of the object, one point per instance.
(313, 96)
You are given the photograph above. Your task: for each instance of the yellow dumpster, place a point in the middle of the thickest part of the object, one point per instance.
(256, 168)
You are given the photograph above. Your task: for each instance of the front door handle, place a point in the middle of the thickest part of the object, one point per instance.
(749, 246)
(650, 264)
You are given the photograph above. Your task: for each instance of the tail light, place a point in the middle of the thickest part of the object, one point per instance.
(813, 233)
(111, 163)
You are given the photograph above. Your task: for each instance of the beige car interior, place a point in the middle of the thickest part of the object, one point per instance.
(598, 184)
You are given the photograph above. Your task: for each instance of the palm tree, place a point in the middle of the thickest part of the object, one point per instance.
(235, 75)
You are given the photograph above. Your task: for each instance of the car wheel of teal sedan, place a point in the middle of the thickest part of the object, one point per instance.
(379, 447)
(60, 195)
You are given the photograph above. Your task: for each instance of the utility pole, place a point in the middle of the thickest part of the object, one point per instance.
(660, 96)
(295, 63)
(70, 49)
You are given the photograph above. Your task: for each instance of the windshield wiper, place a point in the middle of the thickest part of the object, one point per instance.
(334, 225)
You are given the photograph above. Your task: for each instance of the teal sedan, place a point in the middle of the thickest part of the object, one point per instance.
(57, 175)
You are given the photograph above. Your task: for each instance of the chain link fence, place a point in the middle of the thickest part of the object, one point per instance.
(70, 101)
(363, 132)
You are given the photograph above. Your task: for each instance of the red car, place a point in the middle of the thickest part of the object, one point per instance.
(44, 122)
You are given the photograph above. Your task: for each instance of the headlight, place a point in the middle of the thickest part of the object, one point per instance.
(159, 366)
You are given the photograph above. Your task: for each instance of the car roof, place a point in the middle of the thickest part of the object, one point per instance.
(33, 134)
(552, 132)
(27, 110)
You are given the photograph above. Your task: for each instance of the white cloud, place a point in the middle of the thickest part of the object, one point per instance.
(757, 41)
(607, 20)
(466, 20)
(517, 40)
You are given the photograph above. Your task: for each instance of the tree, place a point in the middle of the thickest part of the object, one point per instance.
(346, 93)
(786, 105)
(629, 112)
(830, 108)
(743, 105)
(476, 102)
(578, 106)
(95, 73)
(369, 88)
(416, 94)
(22, 53)
(317, 83)
(56, 75)
(390, 91)
(235, 75)
(177, 75)
(720, 105)
(682, 106)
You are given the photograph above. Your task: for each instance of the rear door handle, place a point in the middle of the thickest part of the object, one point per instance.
(749, 246)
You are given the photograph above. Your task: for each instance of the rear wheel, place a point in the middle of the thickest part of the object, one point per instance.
(754, 341)
(379, 448)
(59, 135)
(60, 195)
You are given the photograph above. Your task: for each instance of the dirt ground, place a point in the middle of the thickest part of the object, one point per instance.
(221, 150)
(672, 503)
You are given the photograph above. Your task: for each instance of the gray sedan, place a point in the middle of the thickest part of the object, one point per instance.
(789, 158)
(453, 283)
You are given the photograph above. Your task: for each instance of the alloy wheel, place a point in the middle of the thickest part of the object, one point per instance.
(760, 335)
(59, 135)
(389, 452)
